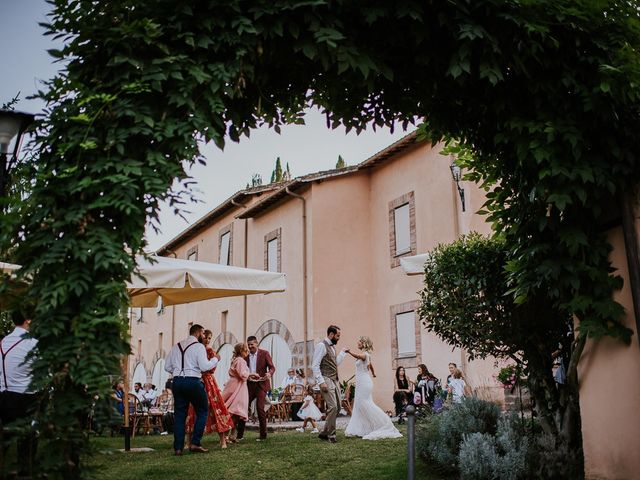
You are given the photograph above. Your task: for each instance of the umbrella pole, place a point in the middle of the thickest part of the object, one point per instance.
(125, 398)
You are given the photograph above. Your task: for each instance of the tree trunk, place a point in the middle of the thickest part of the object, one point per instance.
(570, 423)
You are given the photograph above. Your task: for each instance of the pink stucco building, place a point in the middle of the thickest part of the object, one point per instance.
(339, 236)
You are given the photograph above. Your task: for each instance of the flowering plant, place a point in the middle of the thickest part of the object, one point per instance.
(510, 376)
(275, 393)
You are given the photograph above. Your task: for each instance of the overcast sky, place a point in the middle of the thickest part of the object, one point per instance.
(309, 148)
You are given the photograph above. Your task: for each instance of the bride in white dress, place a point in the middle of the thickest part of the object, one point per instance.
(367, 419)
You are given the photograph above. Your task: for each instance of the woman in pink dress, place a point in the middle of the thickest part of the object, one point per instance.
(235, 393)
(219, 419)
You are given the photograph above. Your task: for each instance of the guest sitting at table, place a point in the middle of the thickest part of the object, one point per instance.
(137, 392)
(403, 394)
(117, 395)
(427, 384)
(164, 402)
(300, 379)
(290, 379)
(148, 395)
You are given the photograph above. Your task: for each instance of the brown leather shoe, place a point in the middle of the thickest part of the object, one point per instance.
(198, 449)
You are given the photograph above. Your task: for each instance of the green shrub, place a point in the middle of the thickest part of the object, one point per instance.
(554, 459)
(502, 457)
(439, 436)
(477, 456)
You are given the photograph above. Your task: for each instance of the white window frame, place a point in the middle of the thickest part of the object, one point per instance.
(408, 336)
(272, 255)
(225, 253)
(402, 227)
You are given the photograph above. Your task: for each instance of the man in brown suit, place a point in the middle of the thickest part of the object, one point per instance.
(259, 361)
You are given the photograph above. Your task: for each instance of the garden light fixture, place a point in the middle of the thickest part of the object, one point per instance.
(456, 173)
(12, 127)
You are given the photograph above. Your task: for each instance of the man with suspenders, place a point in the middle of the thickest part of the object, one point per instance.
(186, 361)
(17, 400)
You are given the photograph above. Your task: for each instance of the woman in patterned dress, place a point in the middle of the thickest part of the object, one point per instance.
(219, 419)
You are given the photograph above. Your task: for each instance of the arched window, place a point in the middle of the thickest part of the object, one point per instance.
(159, 376)
(222, 369)
(280, 354)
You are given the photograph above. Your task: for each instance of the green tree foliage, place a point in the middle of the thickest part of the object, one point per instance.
(6, 325)
(466, 301)
(543, 93)
(11, 104)
(341, 163)
(277, 174)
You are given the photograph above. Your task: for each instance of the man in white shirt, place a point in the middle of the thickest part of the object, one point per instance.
(290, 379)
(186, 361)
(137, 392)
(148, 395)
(325, 371)
(17, 398)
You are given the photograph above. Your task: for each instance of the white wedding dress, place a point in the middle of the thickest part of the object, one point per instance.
(367, 419)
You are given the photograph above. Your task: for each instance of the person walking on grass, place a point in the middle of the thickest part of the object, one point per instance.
(187, 361)
(325, 370)
(219, 418)
(259, 383)
(235, 393)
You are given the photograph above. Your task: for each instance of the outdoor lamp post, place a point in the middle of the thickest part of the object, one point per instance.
(12, 127)
(456, 173)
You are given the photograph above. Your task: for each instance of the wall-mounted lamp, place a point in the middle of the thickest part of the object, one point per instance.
(456, 173)
(12, 127)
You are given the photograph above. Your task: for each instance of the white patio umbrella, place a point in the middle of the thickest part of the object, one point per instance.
(414, 265)
(8, 267)
(184, 281)
(179, 281)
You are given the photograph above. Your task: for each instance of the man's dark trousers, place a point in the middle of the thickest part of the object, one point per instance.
(189, 390)
(16, 406)
(259, 394)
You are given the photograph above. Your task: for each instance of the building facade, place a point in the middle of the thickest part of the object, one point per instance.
(339, 236)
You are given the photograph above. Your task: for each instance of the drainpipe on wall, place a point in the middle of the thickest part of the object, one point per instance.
(244, 257)
(633, 257)
(304, 276)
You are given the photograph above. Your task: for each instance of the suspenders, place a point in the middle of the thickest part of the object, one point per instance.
(182, 351)
(4, 356)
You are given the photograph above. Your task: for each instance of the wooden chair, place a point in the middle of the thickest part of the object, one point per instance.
(276, 411)
(138, 418)
(346, 399)
(163, 404)
(293, 393)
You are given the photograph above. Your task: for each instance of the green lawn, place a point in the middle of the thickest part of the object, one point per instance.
(285, 455)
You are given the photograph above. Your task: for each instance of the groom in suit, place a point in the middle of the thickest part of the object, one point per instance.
(325, 371)
(259, 361)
